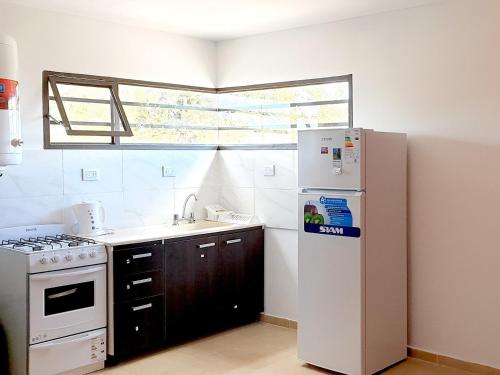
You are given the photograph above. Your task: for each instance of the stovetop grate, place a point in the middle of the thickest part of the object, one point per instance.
(58, 241)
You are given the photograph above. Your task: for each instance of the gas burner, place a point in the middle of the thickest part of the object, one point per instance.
(49, 242)
(22, 245)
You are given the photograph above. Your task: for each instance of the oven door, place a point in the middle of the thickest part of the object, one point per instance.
(66, 302)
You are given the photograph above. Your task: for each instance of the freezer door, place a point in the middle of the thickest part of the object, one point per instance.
(331, 159)
(331, 281)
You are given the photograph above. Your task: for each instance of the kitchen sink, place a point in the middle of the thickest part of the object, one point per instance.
(199, 225)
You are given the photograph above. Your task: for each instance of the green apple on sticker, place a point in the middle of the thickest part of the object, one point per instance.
(318, 219)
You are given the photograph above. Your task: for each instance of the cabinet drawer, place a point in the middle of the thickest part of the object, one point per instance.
(139, 285)
(138, 259)
(140, 325)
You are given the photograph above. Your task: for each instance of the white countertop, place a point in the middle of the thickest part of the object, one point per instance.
(163, 232)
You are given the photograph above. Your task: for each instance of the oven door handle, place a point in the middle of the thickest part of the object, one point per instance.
(49, 345)
(62, 294)
(66, 274)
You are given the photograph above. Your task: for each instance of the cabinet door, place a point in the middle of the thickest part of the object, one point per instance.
(139, 326)
(232, 274)
(240, 276)
(190, 287)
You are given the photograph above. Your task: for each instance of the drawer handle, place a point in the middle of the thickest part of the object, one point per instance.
(142, 281)
(205, 245)
(142, 307)
(139, 256)
(237, 240)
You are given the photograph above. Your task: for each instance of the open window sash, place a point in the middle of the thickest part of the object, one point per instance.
(118, 125)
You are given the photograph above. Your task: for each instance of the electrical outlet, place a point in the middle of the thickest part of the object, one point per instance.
(91, 175)
(167, 171)
(269, 170)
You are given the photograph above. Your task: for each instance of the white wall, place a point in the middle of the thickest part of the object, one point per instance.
(431, 72)
(44, 187)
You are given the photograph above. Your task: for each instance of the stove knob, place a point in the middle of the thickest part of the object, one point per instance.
(93, 253)
(55, 259)
(43, 260)
(69, 257)
(82, 255)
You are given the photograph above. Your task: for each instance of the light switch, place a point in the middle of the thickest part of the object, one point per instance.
(269, 170)
(90, 174)
(167, 171)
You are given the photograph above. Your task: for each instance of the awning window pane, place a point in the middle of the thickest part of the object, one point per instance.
(58, 135)
(167, 117)
(143, 135)
(143, 95)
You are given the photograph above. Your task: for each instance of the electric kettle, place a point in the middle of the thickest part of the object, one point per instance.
(90, 217)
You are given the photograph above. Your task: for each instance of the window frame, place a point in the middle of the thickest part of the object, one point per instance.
(113, 88)
(113, 83)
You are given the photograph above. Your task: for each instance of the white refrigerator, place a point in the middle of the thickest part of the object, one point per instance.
(352, 249)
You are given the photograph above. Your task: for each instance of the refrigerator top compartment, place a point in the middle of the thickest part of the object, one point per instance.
(331, 159)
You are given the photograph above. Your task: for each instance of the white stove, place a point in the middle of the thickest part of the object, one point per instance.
(47, 248)
(53, 300)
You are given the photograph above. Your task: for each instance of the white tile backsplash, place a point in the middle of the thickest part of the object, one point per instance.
(285, 176)
(133, 191)
(142, 170)
(236, 168)
(148, 208)
(28, 211)
(40, 174)
(195, 168)
(277, 208)
(109, 163)
(238, 199)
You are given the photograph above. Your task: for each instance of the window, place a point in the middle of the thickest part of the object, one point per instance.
(99, 112)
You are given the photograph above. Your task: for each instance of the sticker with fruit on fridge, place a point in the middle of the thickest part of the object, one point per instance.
(329, 216)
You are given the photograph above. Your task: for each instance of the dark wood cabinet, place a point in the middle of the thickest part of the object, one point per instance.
(174, 290)
(241, 276)
(139, 298)
(213, 282)
(190, 289)
(140, 326)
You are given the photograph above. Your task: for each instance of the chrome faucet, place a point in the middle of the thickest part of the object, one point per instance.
(189, 219)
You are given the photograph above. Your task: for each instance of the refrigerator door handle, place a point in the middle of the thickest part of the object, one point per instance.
(351, 193)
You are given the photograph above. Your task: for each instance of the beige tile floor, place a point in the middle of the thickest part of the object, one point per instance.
(257, 349)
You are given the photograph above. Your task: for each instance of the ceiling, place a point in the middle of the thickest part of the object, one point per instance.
(221, 19)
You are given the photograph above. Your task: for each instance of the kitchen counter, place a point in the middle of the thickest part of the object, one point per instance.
(126, 236)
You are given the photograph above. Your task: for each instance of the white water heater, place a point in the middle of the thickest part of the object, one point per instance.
(10, 119)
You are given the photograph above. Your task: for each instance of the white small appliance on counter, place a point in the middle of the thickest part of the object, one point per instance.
(352, 249)
(90, 217)
(215, 212)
